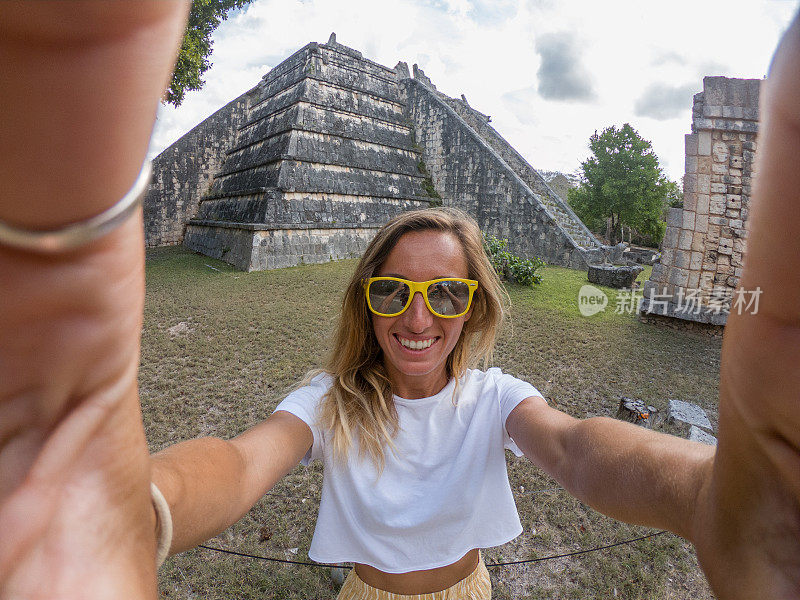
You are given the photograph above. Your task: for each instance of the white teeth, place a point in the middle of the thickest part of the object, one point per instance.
(420, 345)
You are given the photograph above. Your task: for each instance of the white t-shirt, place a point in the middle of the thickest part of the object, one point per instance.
(446, 493)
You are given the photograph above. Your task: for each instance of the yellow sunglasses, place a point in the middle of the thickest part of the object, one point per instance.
(448, 297)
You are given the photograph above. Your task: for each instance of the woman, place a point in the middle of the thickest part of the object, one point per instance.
(82, 82)
(412, 442)
(412, 439)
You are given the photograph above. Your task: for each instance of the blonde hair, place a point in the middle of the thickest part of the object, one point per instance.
(360, 399)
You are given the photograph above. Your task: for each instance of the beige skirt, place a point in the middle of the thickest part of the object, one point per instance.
(475, 586)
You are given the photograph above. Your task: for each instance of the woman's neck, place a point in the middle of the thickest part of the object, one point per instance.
(414, 387)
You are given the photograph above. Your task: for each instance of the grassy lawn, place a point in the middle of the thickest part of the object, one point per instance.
(220, 349)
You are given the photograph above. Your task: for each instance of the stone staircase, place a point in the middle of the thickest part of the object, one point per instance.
(560, 211)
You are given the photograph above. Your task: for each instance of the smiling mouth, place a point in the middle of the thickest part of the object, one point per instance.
(416, 344)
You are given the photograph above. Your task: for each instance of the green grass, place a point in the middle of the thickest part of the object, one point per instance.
(243, 339)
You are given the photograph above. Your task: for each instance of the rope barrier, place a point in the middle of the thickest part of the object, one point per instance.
(489, 566)
(577, 552)
(269, 558)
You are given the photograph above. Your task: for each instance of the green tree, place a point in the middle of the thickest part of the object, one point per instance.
(674, 195)
(623, 185)
(204, 17)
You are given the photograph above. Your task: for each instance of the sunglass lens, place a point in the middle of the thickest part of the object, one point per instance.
(449, 298)
(388, 297)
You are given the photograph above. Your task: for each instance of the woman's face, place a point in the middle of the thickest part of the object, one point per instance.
(420, 256)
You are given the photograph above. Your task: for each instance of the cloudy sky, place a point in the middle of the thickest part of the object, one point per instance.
(548, 72)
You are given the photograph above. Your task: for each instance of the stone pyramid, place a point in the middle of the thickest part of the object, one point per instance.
(307, 165)
(324, 157)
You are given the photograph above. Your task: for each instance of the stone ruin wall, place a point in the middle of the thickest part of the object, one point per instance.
(184, 171)
(704, 244)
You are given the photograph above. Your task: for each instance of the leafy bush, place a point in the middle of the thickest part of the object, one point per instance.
(510, 267)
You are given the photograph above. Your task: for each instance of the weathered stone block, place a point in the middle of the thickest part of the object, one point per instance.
(613, 275)
(689, 183)
(701, 206)
(667, 255)
(716, 204)
(678, 277)
(714, 220)
(685, 241)
(686, 414)
(658, 273)
(706, 281)
(698, 435)
(698, 241)
(704, 143)
(690, 144)
(720, 152)
(703, 184)
(694, 280)
(710, 260)
(675, 217)
(681, 259)
(723, 271)
(670, 237)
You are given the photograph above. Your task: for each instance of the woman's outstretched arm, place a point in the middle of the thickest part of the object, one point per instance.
(211, 483)
(622, 470)
(80, 88)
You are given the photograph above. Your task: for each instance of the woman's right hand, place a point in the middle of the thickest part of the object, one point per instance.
(75, 510)
(80, 88)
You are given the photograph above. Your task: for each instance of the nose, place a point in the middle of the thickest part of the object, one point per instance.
(418, 317)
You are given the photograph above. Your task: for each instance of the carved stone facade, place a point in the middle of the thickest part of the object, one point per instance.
(704, 244)
(307, 165)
